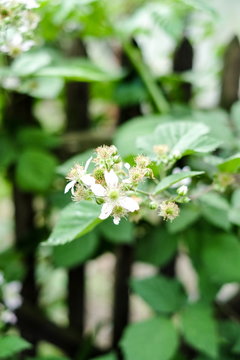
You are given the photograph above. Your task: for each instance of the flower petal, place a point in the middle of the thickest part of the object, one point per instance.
(129, 204)
(87, 163)
(88, 180)
(106, 211)
(98, 190)
(111, 178)
(69, 186)
(116, 220)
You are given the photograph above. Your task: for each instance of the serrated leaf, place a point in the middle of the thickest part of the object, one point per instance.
(136, 342)
(11, 345)
(123, 235)
(199, 329)
(162, 294)
(123, 138)
(75, 220)
(231, 164)
(35, 170)
(76, 252)
(175, 178)
(221, 258)
(156, 248)
(183, 137)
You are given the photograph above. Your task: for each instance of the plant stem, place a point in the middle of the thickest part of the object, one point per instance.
(156, 94)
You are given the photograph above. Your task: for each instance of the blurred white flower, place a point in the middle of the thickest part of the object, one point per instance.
(186, 181)
(8, 317)
(11, 295)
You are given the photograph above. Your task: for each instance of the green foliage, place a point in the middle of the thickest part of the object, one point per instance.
(156, 248)
(11, 345)
(162, 294)
(75, 252)
(110, 356)
(199, 329)
(124, 235)
(136, 342)
(35, 170)
(175, 178)
(75, 220)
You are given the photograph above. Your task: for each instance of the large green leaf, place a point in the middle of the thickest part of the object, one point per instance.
(11, 345)
(183, 137)
(231, 165)
(199, 329)
(77, 70)
(154, 339)
(221, 258)
(35, 170)
(123, 234)
(215, 209)
(36, 138)
(175, 178)
(162, 294)
(75, 220)
(76, 252)
(157, 247)
(124, 139)
(235, 208)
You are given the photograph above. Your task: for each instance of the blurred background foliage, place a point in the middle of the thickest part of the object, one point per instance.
(110, 72)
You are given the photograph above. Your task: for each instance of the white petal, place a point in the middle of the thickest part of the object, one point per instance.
(69, 186)
(87, 163)
(111, 178)
(129, 204)
(116, 220)
(106, 211)
(88, 180)
(98, 190)
(127, 166)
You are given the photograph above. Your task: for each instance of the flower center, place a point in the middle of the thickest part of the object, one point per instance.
(113, 194)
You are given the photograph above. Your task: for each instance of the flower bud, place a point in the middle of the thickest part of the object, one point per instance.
(153, 205)
(182, 191)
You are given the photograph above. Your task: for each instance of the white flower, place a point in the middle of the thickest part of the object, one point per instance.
(29, 4)
(8, 317)
(78, 173)
(116, 202)
(11, 296)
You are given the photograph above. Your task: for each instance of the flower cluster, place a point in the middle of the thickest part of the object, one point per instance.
(17, 23)
(118, 186)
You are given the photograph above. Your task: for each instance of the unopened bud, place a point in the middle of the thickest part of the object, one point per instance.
(182, 191)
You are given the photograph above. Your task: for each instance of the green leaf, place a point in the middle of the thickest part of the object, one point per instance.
(123, 234)
(76, 252)
(81, 159)
(215, 210)
(230, 165)
(123, 138)
(77, 70)
(175, 178)
(221, 258)
(110, 356)
(154, 339)
(35, 170)
(36, 138)
(199, 329)
(41, 87)
(235, 208)
(75, 220)
(11, 345)
(184, 137)
(8, 152)
(162, 294)
(188, 215)
(12, 265)
(157, 247)
(28, 63)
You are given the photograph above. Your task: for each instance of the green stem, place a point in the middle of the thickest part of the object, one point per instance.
(156, 94)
